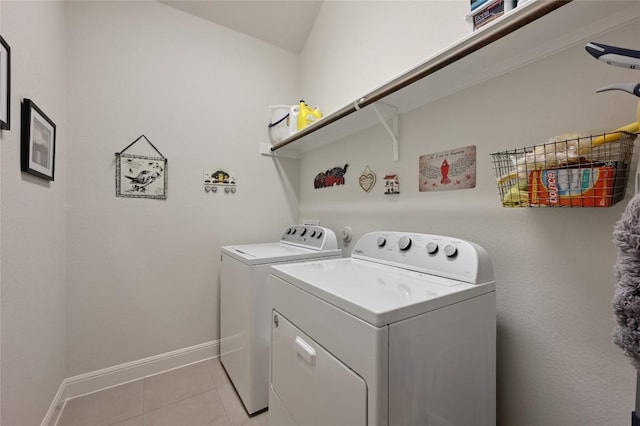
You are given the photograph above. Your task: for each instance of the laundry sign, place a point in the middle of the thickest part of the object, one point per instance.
(448, 170)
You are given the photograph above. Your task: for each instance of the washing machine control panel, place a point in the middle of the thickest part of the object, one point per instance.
(440, 255)
(310, 236)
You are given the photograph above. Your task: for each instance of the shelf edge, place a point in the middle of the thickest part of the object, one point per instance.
(530, 12)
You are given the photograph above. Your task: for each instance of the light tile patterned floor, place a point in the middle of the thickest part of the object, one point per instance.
(197, 395)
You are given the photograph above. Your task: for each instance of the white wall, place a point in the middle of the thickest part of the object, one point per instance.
(128, 278)
(557, 364)
(143, 274)
(355, 46)
(33, 220)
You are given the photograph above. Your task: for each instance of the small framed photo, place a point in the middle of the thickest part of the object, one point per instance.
(5, 85)
(38, 135)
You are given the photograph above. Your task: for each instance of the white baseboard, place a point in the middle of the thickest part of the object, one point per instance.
(73, 387)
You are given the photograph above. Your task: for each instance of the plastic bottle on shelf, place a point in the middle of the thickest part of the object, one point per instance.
(316, 113)
(292, 121)
(307, 115)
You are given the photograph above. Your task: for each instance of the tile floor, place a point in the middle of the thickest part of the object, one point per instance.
(196, 395)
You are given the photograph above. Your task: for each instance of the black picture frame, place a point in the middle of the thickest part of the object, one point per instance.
(38, 142)
(5, 85)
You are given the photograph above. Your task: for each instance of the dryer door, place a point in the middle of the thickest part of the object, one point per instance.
(315, 388)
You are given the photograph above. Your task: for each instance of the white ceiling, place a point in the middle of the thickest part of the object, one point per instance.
(283, 23)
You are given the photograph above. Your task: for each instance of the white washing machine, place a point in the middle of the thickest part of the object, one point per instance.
(401, 333)
(245, 304)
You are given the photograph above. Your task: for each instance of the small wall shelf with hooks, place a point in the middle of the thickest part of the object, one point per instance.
(531, 31)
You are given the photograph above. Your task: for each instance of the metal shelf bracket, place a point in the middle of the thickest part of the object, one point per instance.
(393, 129)
(265, 149)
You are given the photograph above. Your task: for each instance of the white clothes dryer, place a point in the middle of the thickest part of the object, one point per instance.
(401, 333)
(245, 304)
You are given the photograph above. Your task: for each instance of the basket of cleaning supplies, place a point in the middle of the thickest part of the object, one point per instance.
(567, 171)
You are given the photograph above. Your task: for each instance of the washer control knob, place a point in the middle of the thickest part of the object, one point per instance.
(404, 243)
(289, 230)
(432, 248)
(319, 235)
(304, 231)
(381, 241)
(293, 231)
(450, 250)
(313, 234)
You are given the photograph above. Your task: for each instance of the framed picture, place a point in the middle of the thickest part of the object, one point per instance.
(5, 85)
(38, 137)
(139, 176)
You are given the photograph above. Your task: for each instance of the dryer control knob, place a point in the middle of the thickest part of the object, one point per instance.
(304, 231)
(319, 234)
(289, 230)
(381, 241)
(404, 243)
(450, 250)
(432, 248)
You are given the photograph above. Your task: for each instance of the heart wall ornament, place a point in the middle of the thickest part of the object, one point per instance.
(367, 179)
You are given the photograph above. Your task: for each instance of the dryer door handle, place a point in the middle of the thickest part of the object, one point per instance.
(305, 351)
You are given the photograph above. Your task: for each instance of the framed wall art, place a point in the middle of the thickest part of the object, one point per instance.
(38, 142)
(219, 178)
(448, 170)
(139, 176)
(5, 85)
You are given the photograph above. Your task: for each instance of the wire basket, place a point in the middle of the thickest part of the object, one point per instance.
(589, 171)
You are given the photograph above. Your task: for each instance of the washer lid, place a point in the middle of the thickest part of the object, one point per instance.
(258, 254)
(377, 294)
